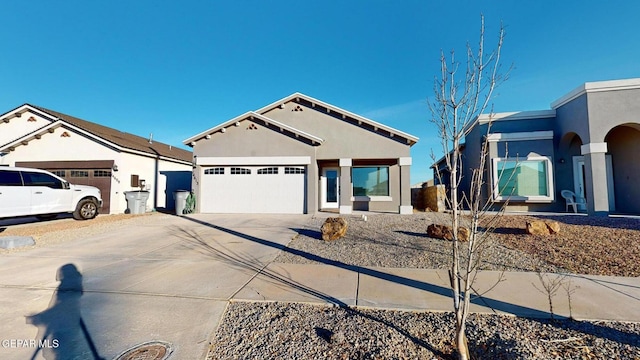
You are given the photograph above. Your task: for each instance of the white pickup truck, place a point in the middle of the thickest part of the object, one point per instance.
(34, 192)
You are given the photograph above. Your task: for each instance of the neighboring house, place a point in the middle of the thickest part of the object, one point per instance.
(589, 143)
(86, 153)
(301, 155)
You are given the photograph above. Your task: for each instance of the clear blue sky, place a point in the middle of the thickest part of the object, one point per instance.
(176, 68)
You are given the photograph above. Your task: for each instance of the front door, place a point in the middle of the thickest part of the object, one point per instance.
(579, 177)
(579, 180)
(330, 188)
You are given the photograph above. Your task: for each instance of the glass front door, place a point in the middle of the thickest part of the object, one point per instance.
(330, 188)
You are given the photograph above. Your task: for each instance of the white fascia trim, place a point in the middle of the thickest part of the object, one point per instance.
(32, 135)
(591, 148)
(61, 123)
(597, 86)
(26, 108)
(346, 162)
(517, 115)
(521, 136)
(250, 115)
(254, 160)
(404, 161)
(293, 96)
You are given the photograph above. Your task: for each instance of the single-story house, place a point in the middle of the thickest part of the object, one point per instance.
(87, 153)
(588, 143)
(301, 155)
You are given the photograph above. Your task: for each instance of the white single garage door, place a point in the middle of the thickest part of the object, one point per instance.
(253, 189)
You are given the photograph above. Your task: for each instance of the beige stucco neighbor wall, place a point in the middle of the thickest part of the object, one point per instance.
(157, 173)
(78, 147)
(15, 127)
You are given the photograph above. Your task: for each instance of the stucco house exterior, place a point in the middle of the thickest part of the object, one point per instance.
(87, 153)
(301, 155)
(588, 143)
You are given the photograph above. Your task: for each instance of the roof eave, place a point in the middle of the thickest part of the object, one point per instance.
(410, 138)
(248, 115)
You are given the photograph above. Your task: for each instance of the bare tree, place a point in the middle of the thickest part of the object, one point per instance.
(462, 92)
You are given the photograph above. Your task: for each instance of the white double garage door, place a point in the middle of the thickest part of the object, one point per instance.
(259, 189)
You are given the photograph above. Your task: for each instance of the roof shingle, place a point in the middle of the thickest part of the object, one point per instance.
(123, 139)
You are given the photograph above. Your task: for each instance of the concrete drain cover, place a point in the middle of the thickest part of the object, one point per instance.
(152, 350)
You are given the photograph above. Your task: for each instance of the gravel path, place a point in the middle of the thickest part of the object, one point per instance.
(302, 331)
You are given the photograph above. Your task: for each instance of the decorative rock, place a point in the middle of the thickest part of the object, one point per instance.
(463, 234)
(543, 227)
(553, 227)
(444, 232)
(333, 228)
(537, 228)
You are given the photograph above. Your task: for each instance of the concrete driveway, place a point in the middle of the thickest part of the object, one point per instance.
(168, 279)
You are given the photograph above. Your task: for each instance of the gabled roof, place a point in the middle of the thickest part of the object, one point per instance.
(118, 138)
(410, 139)
(297, 96)
(252, 116)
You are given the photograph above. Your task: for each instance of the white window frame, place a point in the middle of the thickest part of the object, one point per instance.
(532, 198)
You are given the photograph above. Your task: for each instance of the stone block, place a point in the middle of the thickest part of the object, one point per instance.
(333, 228)
(10, 242)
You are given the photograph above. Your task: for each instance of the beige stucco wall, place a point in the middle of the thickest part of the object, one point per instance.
(78, 147)
(342, 139)
(19, 126)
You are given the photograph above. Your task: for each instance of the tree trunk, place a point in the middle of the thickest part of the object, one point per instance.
(461, 343)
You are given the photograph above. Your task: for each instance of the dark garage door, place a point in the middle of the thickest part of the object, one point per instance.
(94, 173)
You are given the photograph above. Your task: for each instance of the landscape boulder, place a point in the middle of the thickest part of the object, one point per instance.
(553, 227)
(538, 227)
(444, 232)
(333, 228)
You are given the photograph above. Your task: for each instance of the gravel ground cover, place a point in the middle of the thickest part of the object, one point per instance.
(598, 246)
(303, 331)
(585, 245)
(601, 246)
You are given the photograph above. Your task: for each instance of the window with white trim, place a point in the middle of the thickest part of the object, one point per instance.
(214, 171)
(268, 170)
(240, 171)
(529, 179)
(294, 170)
(370, 181)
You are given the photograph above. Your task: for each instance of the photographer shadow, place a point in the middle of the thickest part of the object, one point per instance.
(62, 334)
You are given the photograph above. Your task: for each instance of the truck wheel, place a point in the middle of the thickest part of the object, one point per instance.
(87, 209)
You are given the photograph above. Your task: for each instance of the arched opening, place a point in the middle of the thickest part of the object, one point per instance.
(623, 144)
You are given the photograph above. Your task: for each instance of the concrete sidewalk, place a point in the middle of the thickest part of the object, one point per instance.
(517, 293)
